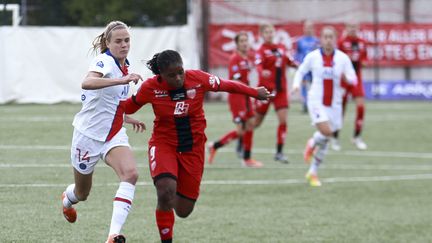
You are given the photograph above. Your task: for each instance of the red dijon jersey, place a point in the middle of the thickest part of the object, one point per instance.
(355, 48)
(273, 57)
(180, 120)
(240, 105)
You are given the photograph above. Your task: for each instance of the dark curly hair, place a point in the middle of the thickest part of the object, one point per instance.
(162, 60)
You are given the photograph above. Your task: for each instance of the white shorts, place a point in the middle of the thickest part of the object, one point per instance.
(320, 113)
(86, 152)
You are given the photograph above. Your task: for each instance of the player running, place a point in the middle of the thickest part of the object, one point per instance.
(271, 60)
(328, 65)
(177, 146)
(98, 132)
(305, 44)
(240, 105)
(355, 48)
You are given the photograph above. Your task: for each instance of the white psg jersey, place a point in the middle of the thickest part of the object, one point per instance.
(102, 112)
(327, 72)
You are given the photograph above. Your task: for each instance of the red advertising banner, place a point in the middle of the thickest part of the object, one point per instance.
(396, 45)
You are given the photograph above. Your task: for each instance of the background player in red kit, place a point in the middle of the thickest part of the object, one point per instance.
(271, 60)
(240, 105)
(176, 148)
(355, 48)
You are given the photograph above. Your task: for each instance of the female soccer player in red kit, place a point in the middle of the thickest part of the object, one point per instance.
(271, 60)
(355, 48)
(240, 105)
(177, 146)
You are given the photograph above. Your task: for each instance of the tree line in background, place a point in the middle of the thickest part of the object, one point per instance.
(99, 12)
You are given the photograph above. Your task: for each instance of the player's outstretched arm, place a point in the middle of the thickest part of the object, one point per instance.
(240, 88)
(94, 80)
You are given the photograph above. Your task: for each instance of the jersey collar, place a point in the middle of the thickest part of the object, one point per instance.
(124, 69)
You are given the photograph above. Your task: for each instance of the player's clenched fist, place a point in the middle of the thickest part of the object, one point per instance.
(132, 77)
(264, 94)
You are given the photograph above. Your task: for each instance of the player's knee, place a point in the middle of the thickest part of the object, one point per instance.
(166, 195)
(327, 133)
(131, 176)
(183, 213)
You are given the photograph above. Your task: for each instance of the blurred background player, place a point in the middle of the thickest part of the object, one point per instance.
(271, 61)
(328, 65)
(177, 146)
(240, 105)
(355, 48)
(305, 44)
(98, 128)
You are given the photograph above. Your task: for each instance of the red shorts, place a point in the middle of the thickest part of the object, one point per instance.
(185, 167)
(280, 101)
(241, 107)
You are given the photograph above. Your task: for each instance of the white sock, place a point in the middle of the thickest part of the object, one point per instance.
(318, 157)
(70, 196)
(121, 206)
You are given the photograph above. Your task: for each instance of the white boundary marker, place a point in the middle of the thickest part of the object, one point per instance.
(255, 182)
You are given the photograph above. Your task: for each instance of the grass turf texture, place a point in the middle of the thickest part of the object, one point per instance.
(237, 204)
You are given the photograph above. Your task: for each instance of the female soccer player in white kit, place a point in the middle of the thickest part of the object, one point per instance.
(328, 65)
(98, 127)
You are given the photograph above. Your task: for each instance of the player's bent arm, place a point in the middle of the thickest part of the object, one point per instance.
(349, 72)
(94, 80)
(302, 70)
(131, 105)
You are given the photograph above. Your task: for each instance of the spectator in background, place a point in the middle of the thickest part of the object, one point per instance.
(328, 65)
(305, 44)
(271, 61)
(240, 105)
(355, 48)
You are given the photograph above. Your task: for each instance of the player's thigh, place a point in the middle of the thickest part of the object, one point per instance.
(162, 161)
(118, 155)
(319, 117)
(280, 101)
(261, 108)
(190, 171)
(334, 114)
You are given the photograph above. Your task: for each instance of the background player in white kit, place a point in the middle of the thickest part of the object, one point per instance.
(98, 127)
(328, 65)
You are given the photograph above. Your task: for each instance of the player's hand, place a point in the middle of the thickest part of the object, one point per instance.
(264, 94)
(295, 90)
(266, 73)
(138, 126)
(132, 77)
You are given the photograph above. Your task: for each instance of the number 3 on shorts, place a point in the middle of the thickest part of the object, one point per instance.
(152, 156)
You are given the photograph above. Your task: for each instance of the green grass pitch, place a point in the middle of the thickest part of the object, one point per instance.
(383, 194)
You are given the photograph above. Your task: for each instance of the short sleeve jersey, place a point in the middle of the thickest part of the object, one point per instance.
(179, 115)
(102, 112)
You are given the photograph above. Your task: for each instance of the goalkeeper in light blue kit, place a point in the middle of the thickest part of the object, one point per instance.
(305, 44)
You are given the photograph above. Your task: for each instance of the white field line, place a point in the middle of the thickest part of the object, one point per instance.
(213, 117)
(255, 182)
(330, 166)
(367, 153)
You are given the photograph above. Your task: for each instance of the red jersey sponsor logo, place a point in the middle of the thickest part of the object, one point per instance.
(181, 108)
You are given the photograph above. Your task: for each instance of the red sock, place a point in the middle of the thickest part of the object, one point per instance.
(165, 223)
(359, 120)
(281, 133)
(247, 144)
(226, 139)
